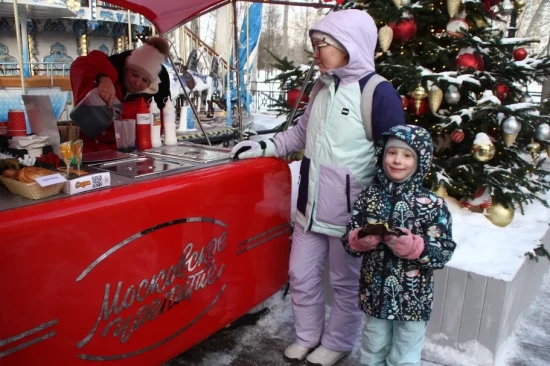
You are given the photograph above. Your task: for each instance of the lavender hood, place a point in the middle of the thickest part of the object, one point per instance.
(357, 32)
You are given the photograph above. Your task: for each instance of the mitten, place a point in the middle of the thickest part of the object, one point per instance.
(364, 244)
(408, 246)
(253, 149)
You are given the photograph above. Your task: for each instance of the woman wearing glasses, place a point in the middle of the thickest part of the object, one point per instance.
(338, 130)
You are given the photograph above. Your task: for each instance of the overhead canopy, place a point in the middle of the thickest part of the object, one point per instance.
(168, 14)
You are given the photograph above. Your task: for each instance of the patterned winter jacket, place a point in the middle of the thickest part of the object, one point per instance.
(394, 288)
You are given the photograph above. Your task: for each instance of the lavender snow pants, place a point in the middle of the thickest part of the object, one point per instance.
(307, 262)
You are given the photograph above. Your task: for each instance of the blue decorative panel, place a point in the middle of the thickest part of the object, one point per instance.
(8, 64)
(55, 26)
(58, 54)
(79, 27)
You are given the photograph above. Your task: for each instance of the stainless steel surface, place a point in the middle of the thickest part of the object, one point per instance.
(195, 112)
(142, 166)
(196, 153)
(10, 201)
(101, 156)
(42, 119)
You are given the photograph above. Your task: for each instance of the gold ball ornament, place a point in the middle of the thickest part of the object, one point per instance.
(418, 95)
(453, 6)
(548, 151)
(500, 215)
(483, 148)
(509, 139)
(520, 4)
(441, 191)
(385, 37)
(435, 96)
(398, 3)
(534, 148)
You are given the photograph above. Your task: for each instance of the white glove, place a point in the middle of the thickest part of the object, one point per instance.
(253, 149)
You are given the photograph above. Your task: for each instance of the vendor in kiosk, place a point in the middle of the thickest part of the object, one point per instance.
(128, 76)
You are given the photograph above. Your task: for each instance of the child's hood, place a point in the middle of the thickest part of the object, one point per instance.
(416, 137)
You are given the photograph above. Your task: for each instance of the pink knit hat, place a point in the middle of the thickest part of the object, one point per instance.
(147, 60)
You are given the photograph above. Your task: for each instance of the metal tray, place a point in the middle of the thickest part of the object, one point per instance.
(101, 156)
(192, 152)
(142, 166)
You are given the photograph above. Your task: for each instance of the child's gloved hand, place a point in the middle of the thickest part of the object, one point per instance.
(364, 244)
(408, 246)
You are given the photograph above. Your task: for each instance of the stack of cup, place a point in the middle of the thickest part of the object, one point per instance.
(3, 128)
(16, 123)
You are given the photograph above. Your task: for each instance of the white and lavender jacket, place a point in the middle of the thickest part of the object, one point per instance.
(339, 159)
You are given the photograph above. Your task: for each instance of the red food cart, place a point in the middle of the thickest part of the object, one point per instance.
(141, 271)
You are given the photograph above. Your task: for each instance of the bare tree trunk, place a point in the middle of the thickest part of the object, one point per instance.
(285, 31)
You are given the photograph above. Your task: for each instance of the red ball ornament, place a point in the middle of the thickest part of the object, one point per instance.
(502, 91)
(403, 29)
(424, 107)
(470, 60)
(404, 102)
(482, 198)
(489, 4)
(292, 97)
(520, 54)
(457, 136)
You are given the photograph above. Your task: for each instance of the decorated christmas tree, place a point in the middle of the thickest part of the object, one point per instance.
(461, 77)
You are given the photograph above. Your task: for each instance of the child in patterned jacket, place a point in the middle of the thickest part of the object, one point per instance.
(403, 232)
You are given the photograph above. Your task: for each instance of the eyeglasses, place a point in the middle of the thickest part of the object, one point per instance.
(317, 47)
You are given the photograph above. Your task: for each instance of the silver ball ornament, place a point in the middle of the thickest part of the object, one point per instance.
(511, 126)
(452, 96)
(542, 132)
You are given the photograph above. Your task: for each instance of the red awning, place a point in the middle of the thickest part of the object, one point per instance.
(167, 14)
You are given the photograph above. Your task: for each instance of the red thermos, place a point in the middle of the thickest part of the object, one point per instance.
(143, 126)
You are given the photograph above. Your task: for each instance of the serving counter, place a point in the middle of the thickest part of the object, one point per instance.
(137, 273)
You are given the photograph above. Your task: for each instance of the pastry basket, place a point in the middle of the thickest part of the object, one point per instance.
(31, 190)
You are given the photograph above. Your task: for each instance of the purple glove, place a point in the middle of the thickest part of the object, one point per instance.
(365, 244)
(408, 246)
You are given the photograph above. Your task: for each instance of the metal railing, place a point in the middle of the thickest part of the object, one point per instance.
(37, 68)
(263, 99)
